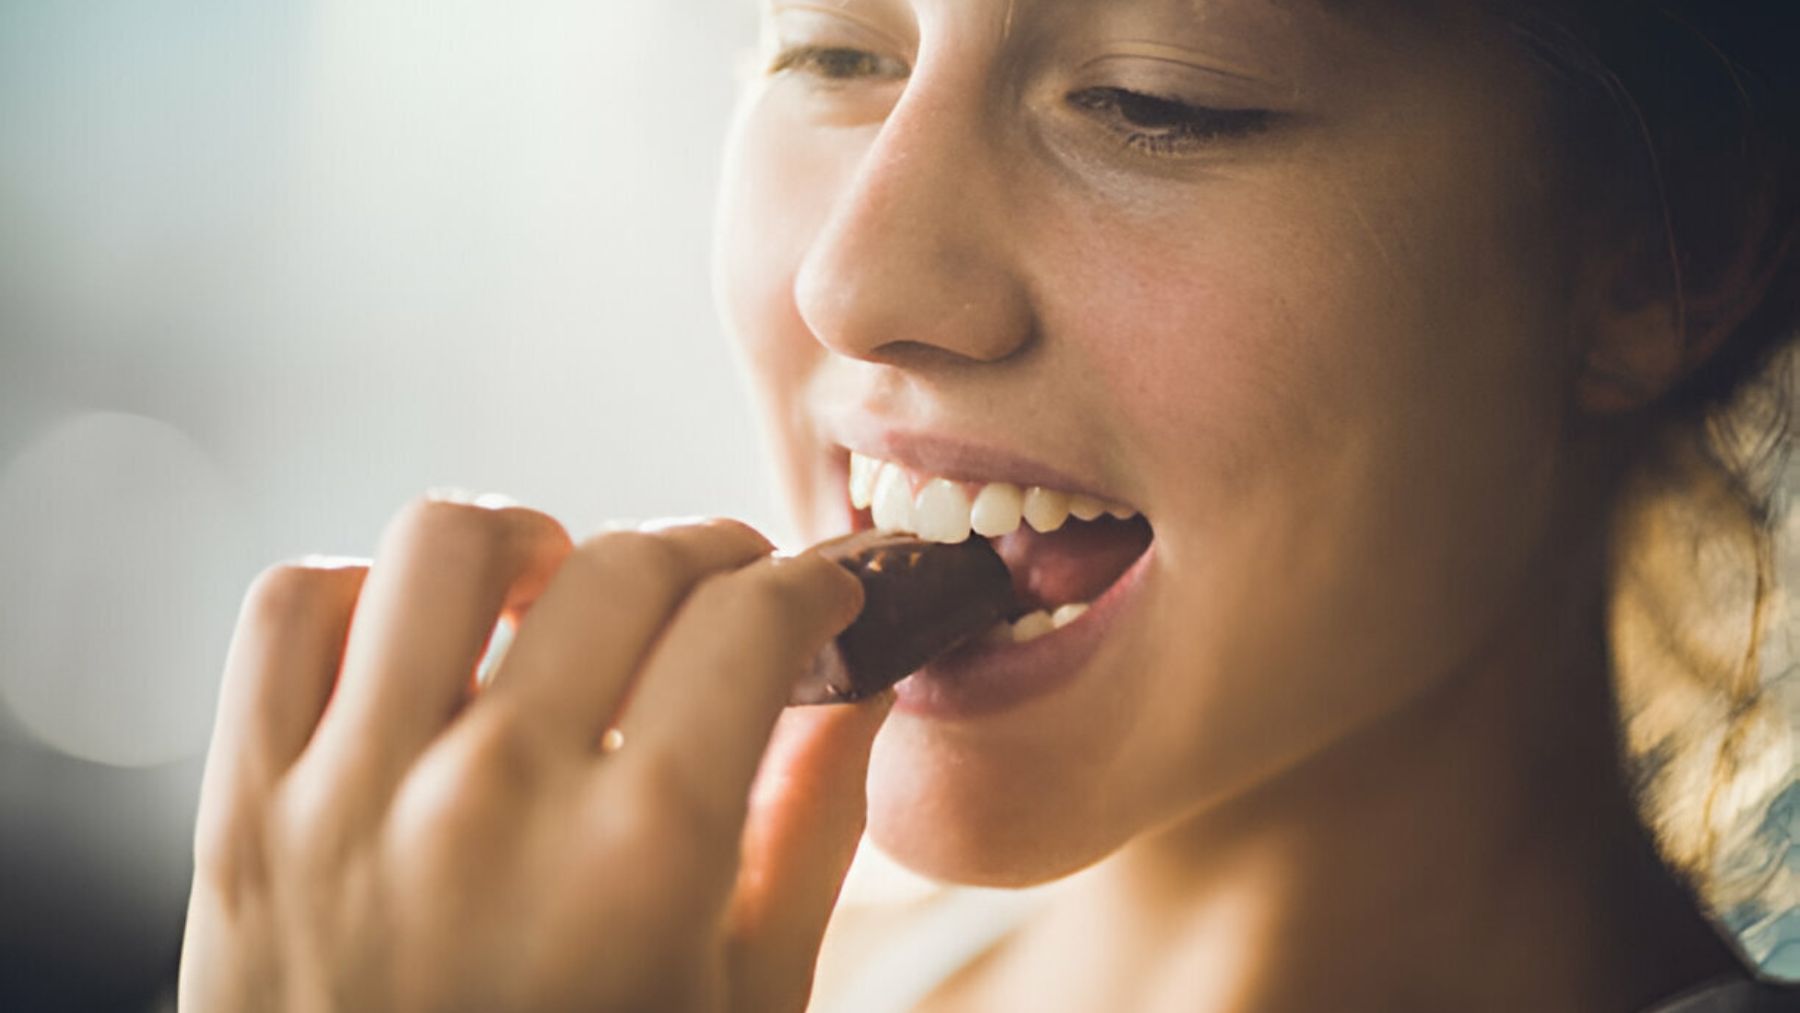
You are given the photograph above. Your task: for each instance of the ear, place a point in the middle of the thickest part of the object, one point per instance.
(1634, 354)
(1646, 331)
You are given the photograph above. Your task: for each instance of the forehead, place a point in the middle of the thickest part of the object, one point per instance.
(1191, 8)
(1391, 21)
(1308, 45)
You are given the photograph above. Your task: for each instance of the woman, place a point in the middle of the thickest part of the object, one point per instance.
(1386, 333)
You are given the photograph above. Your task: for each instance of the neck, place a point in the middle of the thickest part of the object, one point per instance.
(1478, 850)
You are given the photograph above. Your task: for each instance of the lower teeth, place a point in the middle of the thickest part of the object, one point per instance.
(1033, 625)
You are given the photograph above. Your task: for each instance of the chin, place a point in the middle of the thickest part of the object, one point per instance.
(960, 817)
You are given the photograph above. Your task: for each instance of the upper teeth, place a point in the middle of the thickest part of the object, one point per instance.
(945, 511)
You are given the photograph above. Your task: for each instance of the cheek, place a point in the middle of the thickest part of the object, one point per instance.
(770, 208)
(766, 212)
(1353, 432)
(1257, 354)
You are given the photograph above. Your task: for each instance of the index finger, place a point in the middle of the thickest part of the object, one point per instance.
(577, 654)
(711, 691)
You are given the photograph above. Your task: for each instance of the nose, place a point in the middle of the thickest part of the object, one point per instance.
(915, 258)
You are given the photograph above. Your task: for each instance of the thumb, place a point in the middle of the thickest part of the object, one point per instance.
(806, 816)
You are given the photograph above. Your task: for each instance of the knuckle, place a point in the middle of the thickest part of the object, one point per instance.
(650, 563)
(813, 574)
(470, 532)
(307, 831)
(462, 784)
(793, 588)
(751, 541)
(498, 751)
(785, 598)
(228, 847)
(734, 600)
(290, 592)
(662, 810)
(484, 539)
(485, 543)
(634, 550)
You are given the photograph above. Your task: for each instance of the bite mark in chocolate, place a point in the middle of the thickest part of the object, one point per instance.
(920, 600)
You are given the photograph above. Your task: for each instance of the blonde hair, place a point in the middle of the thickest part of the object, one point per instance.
(1703, 650)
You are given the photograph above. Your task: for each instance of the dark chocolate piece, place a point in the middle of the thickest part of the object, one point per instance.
(921, 599)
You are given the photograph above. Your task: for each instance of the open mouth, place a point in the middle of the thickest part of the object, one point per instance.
(1063, 549)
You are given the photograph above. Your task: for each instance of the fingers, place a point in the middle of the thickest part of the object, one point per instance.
(710, 692)
(283, 660)
(574, 656)
(444, 574)
(278, 675)
(807, 811)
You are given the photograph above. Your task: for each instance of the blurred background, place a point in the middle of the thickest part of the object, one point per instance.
(267, 271)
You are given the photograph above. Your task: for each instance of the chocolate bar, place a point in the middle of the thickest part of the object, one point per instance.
(920, 600)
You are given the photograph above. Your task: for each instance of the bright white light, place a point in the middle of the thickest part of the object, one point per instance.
(121, 555)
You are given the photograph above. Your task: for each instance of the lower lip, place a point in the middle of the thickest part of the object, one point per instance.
(985, 678)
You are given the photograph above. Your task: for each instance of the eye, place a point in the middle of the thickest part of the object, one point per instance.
(836, 63)
(1163, 126)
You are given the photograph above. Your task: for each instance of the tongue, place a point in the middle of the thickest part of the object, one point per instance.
(1074, 563)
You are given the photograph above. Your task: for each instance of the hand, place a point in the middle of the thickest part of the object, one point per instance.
(376, 833)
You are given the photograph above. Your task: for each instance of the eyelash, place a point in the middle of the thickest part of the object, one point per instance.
(832, 64)
(1162, 126)
(1150, 124)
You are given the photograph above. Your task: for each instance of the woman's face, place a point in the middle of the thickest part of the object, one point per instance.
(1277, 276)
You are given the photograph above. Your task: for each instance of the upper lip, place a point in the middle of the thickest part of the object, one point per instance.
(960, 460)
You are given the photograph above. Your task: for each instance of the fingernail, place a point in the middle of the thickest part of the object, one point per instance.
(665, 523)
(465, 497)
(317, 562)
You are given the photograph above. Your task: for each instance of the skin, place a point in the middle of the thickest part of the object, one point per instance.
(1349, 749)
(1255, 347)
(374, 834)
(1342, 367)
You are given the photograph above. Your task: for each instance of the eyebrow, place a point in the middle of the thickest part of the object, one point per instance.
(1335, 9)
(1332, 7)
